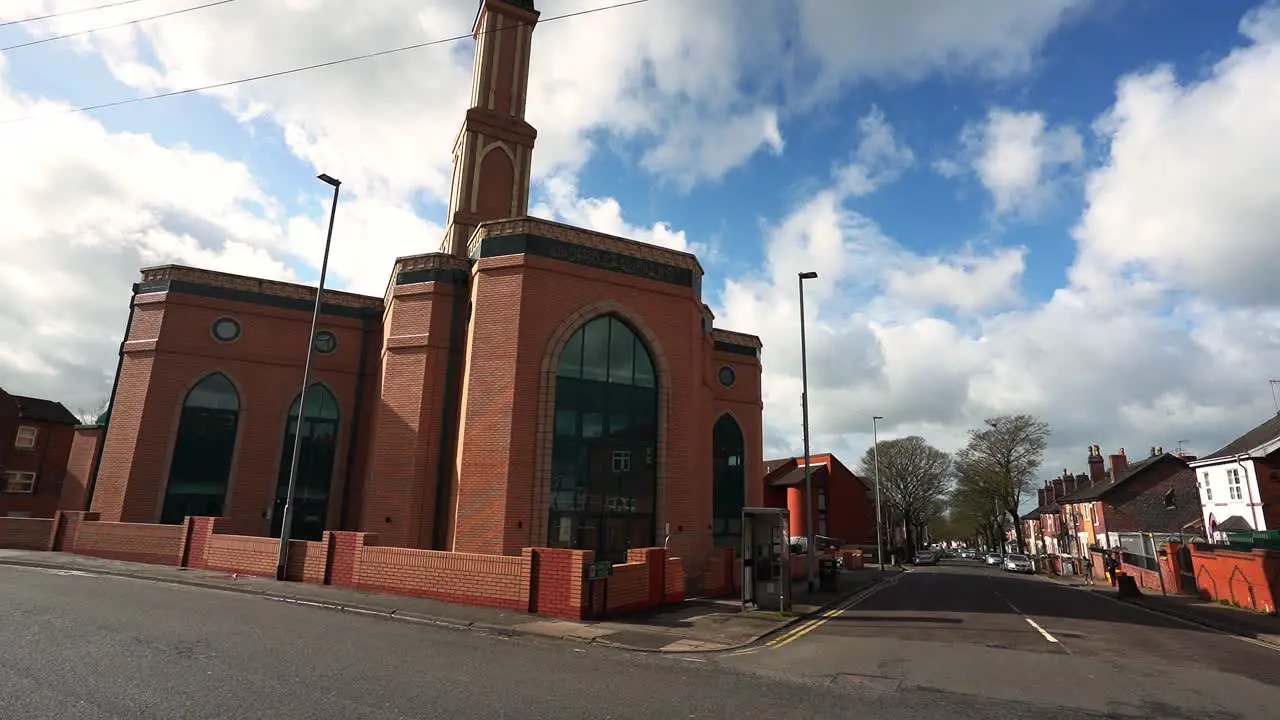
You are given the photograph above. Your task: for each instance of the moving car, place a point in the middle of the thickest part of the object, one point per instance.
(1018, 563)
(926, 557)
(991, 559)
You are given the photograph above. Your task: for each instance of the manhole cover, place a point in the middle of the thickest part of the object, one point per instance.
(866, 682)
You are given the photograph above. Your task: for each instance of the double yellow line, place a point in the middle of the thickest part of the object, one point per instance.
(805, 628)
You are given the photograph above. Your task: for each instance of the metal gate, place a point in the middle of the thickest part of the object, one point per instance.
(1186, 570)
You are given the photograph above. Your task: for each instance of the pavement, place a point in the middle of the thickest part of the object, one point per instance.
(1224, 618)
(696, 626)
(92, 646)
(963, 629)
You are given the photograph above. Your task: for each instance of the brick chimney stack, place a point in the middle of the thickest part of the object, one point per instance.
(1119, 465)
(1097, 470)
(1059, 488)
(1040, 496)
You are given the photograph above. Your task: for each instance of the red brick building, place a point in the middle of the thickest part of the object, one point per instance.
(530, 385)
(35, 440)
(843, 503)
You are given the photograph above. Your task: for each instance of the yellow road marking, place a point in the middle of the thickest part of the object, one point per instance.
(808, 627)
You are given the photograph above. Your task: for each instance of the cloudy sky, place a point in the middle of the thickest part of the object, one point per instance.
(1062, 207)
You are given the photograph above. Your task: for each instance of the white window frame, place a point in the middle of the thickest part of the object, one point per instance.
(19, 482)
(1235, 487)
(26, 436)
(621, 461)
(1208, 489)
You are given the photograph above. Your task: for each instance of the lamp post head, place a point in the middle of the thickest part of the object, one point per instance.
(329, 180)
(877, 417)
(808, 275)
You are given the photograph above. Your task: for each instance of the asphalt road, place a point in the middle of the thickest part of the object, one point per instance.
(76, 646)
(960, 627)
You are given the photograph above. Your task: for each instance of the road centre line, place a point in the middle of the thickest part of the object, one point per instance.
(1044, 633)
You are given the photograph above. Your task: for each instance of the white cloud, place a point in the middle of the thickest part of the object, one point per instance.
(1119, 357)
(690, 80)
(908, 40)
(1187, 197)
(881, 157)
(563, 203)
(1104, 362)
(91, 207)
(1018, 158)
(968, 282)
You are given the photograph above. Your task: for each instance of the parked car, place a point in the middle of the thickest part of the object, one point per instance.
(1018, 563)
(991, 559)
(926, 557)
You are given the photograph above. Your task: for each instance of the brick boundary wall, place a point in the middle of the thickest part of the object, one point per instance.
(545, 581)
(25, 533)
(1247, 579)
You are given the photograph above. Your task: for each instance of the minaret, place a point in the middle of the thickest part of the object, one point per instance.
(494, 148)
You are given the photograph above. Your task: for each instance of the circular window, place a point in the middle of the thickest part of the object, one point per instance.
(727, 376)
(326, 342)
(225, 329)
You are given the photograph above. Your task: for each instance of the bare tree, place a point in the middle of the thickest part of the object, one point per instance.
(913, 476)
(90, 414)
(1001, 462)
(974, 510)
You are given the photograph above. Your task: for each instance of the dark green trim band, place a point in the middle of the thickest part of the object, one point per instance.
(586, 256)
(449, 275)
(251, 297)
(736, 349)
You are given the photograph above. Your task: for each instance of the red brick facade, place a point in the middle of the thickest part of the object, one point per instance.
(36, 438)
(445, 387)
(843, 502)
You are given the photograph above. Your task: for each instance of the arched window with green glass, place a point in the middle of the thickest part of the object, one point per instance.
(604, 484)
(316, 461)
(729, 484)
(203, 451)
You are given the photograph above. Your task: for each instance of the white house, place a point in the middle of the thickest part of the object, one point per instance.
(1240, 483)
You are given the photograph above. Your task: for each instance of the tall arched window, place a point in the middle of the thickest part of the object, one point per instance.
(729, 491)
(604, 483)
(315, 465)
(202, 453)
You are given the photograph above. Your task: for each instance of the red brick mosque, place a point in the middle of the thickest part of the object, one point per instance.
(530, 385)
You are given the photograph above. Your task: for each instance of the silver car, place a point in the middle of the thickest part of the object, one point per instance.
(1018, 564)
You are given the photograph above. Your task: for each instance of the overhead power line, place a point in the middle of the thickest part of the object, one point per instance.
(116, 25)
(64, 13)
(304, 68)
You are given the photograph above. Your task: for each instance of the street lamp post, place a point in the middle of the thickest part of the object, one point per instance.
(875, 454)
(810, 559)
(286, 519)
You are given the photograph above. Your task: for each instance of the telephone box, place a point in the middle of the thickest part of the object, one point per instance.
(766, 559)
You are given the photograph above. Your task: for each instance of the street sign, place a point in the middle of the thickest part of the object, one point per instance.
(600, 570)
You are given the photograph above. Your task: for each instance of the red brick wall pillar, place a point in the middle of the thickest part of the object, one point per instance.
(345, 550)
(198, 531)
(557, 583)
(656, 561)
(80, 465)
(65, 525)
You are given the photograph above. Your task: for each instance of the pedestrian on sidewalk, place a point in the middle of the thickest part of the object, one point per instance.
(1111, 566)
(1086, 563)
